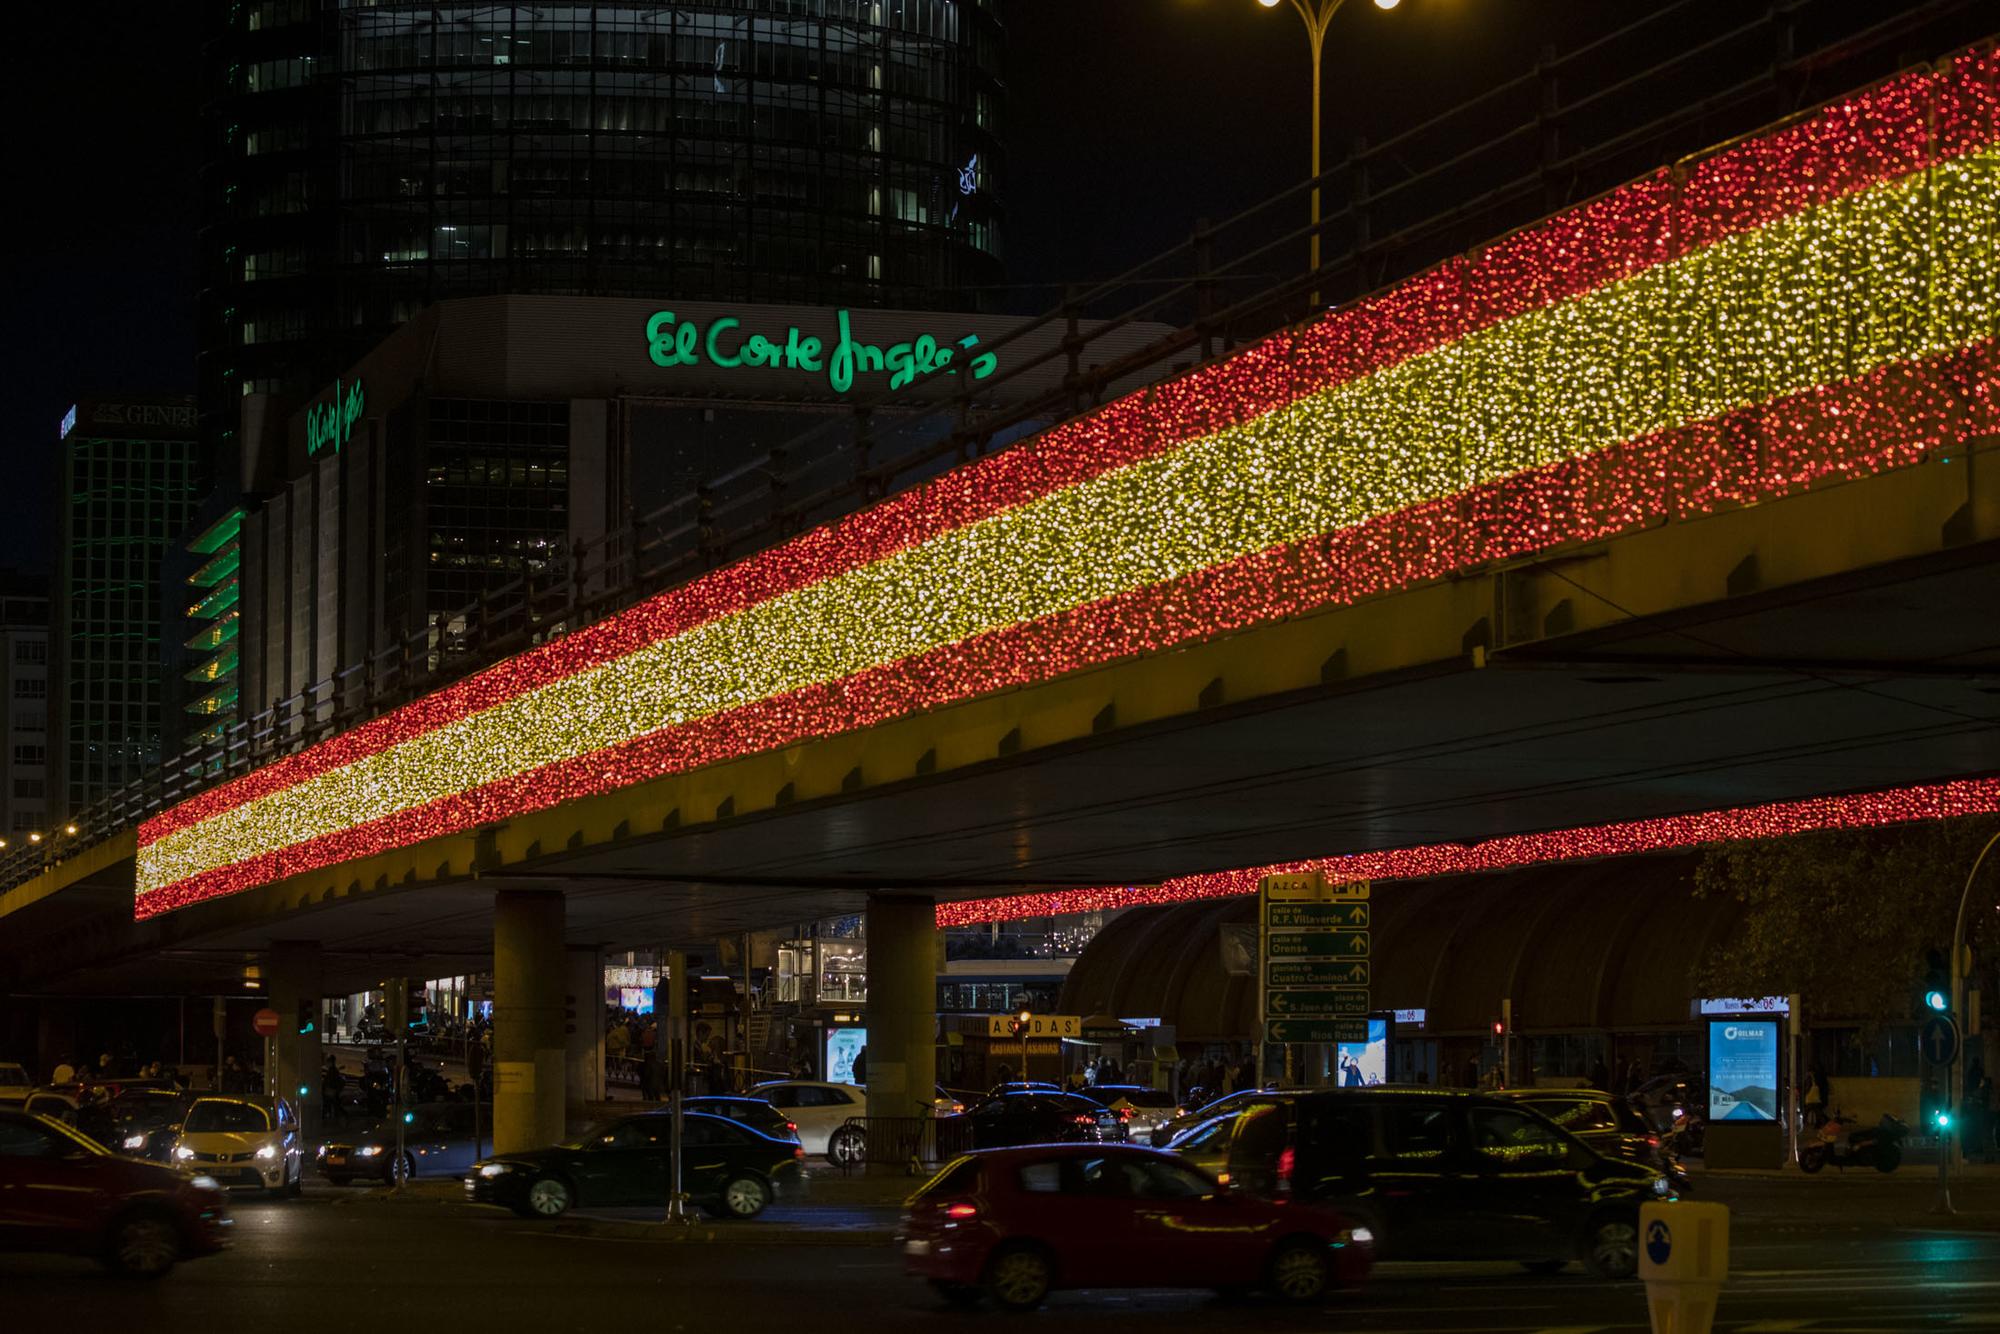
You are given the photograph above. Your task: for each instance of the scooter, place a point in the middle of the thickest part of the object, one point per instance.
(1840, 1143)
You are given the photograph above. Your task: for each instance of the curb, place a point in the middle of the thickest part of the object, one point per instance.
(740, 1234)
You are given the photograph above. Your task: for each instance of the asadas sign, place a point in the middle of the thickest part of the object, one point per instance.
(673, 341)
(329, 424)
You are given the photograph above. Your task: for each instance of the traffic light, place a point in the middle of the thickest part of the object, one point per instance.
(1937, 1001)
(1941, 1118)
(1937, 982)
(1499, 1029)
(569, 1014)
(308, 1017)
(395, 1008)
(417, 1008)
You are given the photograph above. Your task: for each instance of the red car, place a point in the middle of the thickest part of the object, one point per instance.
(1015, 1224)
(62, 1191)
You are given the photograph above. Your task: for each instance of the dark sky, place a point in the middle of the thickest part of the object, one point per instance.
(1127, 120)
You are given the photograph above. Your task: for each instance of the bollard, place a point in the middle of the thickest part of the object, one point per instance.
(1683, 1258)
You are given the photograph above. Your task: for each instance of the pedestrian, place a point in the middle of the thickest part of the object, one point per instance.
(1003, 1075)
(1815, 1097)
(64, 1073)
(861, 1065)
(331, 1082)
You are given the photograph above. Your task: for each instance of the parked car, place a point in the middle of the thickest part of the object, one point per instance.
(15, 1085)
(243, 1141)
(1206, 1144)
(145, 1121)
(1013, 1224)
(1032, 1118)
(1142, 1109)
(1608, 1124)
(439, 1139)
(816, 1108)
(757, 1113)
(727, 1168)
(1446, 1174)
(63, 1191)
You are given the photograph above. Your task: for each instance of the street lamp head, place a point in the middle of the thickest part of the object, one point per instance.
(1387, 4)
(1024, 1014)
(1268, 4)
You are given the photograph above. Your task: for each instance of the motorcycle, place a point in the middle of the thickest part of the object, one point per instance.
(1841, 1143)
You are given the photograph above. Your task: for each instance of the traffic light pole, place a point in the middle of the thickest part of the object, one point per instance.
(402, 1074)
(675, 1036)
(1955, 1082)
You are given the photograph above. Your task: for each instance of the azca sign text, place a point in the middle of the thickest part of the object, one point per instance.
(673, 341)
(329, 424)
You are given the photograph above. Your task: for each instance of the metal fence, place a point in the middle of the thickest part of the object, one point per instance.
(1566, 130)
(916, 1144)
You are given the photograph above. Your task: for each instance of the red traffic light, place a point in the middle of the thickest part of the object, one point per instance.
(1499, 1029)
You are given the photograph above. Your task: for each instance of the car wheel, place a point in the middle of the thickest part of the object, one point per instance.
(1019, 1277)
(549, 1197)
(744, 1197)
(1812, 1157)
(957, 1294)
(1544, 1266)
(1300, 1271)
(404, 1169)
(145, 1246)
(1613, 1248)
(846, 1147)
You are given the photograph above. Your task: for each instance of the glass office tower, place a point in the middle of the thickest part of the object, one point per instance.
(367, 159)
(131, 475)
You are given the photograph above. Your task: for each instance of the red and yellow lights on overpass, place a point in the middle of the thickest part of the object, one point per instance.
(1818, 303)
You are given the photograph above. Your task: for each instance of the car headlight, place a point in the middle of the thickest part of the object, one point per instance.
(205, 1183)
(268, 1152)
(368, 1151)
(1661, 1186)
(135, 1141)
(320, 1152)
(495, 1169)
(1361, 1235)
(183, 1152)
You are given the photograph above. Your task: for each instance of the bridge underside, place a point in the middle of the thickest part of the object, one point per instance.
(1840, 640)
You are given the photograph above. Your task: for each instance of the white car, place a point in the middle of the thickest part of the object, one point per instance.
(243, 1142)
(15, 1086)
(816, 1108)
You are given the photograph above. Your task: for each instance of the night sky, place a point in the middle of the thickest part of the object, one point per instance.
(1127, 120)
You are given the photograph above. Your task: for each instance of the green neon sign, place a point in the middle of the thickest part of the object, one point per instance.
(672, 341)
(329, 424)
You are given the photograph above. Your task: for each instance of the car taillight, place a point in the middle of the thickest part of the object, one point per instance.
(792, 1126)
(1124, 1113)
(1286, 1161)
(1084, 1120)
(798, 1152)
(1653, 1140)
(961, 1211)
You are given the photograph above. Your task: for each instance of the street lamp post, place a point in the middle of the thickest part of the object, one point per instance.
(1318, 16)
(1023, 1021)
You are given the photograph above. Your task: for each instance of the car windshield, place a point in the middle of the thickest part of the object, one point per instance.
(211, 1117)
(145, 1108)
(13, 1075)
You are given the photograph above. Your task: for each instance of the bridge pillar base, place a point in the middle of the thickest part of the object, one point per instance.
(295, 1057)
(529, 984)
(902, 1005)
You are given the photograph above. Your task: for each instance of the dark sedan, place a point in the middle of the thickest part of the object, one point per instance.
(144, 1122)
(1608, 1124)
(62, 1191)
(439, 1139)
(1032, 1118)
(727, 1168)
(756, 1113)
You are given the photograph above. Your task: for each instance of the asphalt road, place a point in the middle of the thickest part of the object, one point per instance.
(1821, 1257)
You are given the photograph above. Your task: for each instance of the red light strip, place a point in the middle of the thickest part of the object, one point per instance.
(1871, 137)
(1868, 810)
(1889, 418)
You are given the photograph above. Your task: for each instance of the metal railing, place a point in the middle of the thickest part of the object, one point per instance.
(1563, 140)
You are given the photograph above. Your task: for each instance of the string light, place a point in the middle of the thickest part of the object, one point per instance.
(1837, 319)
(1938, 801)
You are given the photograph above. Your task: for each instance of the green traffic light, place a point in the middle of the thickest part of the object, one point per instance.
(1942, 1119)
(1937, 1000)
(409, 1117)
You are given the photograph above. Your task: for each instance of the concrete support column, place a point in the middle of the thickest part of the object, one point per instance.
(902, 1004)
(584, 1055)
(295, 984)
(528, 1045)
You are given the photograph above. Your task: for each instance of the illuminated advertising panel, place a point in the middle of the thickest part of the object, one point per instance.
(1362, 1063)
(1743, 1069)
(842, 1046)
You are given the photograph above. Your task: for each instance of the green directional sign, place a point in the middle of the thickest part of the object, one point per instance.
(1279, 916)
(1316, 973)
(1316, 1030)
(1320, 945)
(1317, 1004)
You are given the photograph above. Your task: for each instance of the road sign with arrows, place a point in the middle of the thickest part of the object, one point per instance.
(1314, 958)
